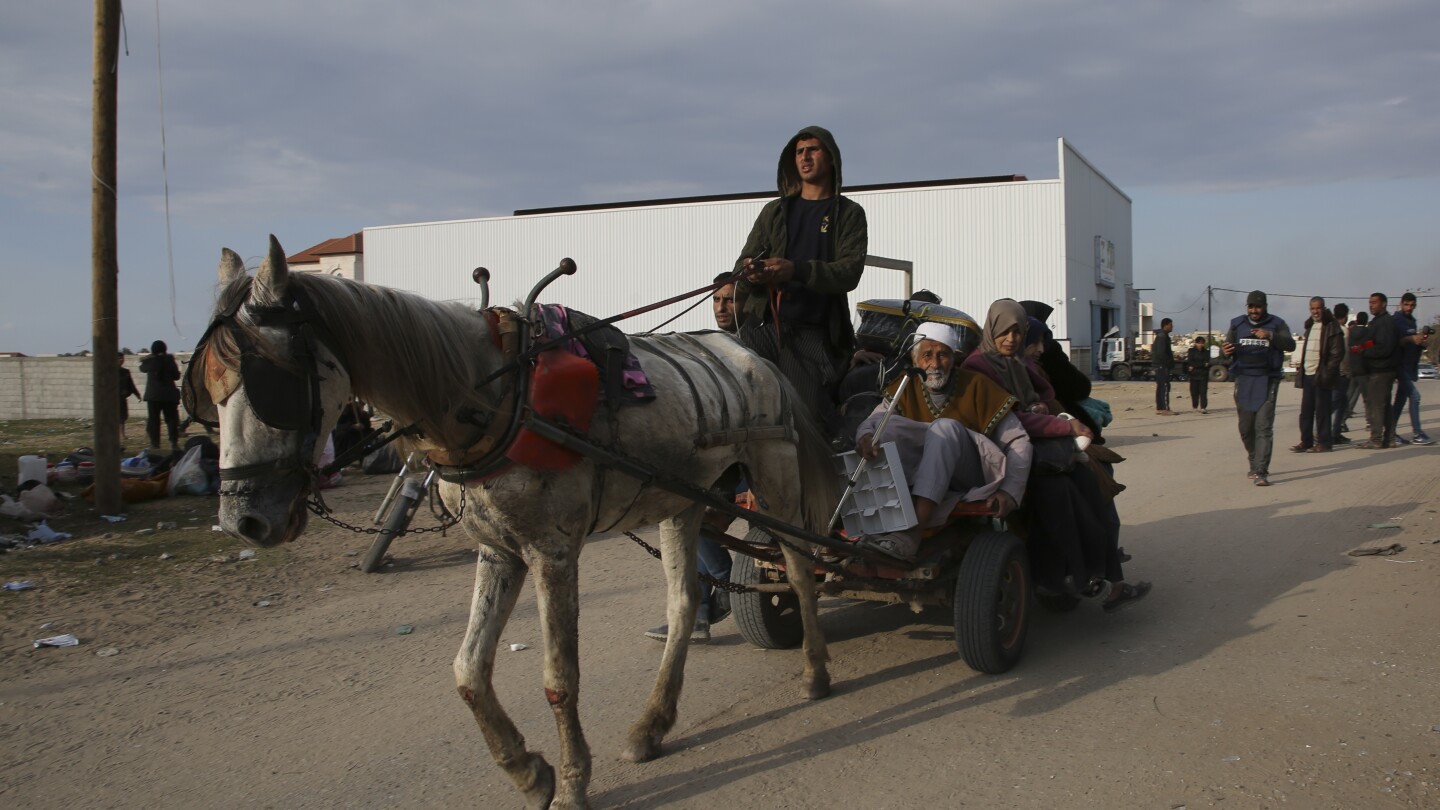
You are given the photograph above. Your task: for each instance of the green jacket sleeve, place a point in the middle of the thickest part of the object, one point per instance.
(757, 240)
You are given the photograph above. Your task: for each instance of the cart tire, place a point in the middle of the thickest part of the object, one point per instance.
(1057, 602)
(395, 525)
(770, 621)
(1219, 373)
(992, 596)
(1120, 372)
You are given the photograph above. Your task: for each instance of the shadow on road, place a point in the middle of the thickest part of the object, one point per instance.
(1268, 552)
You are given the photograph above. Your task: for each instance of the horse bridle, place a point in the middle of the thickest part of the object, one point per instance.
(282, 398)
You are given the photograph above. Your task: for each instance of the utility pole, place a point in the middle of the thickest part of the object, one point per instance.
(1209, 315)
(104, 267)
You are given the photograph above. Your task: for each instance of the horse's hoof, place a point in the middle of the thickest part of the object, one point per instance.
(640, 748)
(819, 689)
(539, 796)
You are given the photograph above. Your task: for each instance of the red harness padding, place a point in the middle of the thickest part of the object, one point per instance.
(563, 388)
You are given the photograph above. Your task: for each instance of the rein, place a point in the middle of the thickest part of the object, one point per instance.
(529, 355)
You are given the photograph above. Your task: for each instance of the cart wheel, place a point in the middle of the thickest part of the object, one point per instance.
(991, 598)
(1057, 602)
(1218, 373)
(770, 621)
(395, 525)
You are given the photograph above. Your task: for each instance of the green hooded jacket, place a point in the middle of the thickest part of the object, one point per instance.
(849, 243)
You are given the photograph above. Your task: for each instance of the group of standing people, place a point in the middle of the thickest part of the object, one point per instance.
(1376, 358)
(1197, 370)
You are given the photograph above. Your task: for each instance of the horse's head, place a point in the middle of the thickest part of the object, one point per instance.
(264, 373)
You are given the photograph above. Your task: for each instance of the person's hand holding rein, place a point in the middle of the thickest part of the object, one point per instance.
(769, 271)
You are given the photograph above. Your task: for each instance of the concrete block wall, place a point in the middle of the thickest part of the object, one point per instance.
(57, 387)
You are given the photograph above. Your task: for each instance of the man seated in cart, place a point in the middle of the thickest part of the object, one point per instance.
(957, 436)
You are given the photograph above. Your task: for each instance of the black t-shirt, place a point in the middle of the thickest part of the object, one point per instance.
(807, 224)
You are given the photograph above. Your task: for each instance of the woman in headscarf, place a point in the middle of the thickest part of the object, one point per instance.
(1077, 551)
(1072, 386)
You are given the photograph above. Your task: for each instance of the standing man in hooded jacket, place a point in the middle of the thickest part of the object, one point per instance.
(805, 251)
(1256, 344)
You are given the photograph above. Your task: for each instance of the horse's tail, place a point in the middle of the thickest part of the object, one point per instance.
(819, 483)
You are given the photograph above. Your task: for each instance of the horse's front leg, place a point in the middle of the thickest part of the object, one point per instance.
(557, 594)
(800, 569)
(678, 538)
(498, 578)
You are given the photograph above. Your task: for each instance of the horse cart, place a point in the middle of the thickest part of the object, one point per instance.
(529, 470)
(974, 564)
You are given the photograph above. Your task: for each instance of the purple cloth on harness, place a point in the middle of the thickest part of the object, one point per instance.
(637, 388)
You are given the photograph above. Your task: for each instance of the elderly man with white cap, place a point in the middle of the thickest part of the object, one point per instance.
(957, 436)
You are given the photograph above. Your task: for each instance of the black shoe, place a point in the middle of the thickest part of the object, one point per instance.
(719, 605)
(1341, 440)
(700, 635)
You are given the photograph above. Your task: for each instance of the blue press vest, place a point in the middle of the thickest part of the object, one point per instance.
(1254, 356)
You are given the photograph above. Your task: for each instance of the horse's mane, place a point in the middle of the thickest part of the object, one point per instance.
(417, 360)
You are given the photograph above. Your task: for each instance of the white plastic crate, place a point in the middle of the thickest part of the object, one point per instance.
(881, 499)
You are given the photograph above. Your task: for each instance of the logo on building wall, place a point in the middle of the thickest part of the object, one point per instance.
(1104, 262)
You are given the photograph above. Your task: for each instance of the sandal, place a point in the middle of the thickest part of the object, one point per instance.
(897, 545)
(1128, 593)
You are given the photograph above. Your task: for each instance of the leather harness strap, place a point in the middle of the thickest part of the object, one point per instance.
(690, 384)
(505, 328)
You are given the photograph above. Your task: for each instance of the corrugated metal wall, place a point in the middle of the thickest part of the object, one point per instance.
(1094, 207)
(970, 244)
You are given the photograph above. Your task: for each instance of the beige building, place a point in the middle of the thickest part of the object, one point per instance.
(344, 257)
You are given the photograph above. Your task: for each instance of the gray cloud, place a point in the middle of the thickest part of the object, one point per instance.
(317, 119)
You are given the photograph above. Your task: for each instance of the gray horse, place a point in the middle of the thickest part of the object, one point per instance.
(284, 353)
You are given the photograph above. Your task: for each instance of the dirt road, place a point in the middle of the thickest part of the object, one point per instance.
(1268, 669)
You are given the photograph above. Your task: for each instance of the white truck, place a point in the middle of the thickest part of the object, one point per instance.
(1121, 360)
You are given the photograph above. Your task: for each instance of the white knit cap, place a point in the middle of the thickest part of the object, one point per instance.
(938, 332)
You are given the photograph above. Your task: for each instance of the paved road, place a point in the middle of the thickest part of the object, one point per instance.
(1267, 669)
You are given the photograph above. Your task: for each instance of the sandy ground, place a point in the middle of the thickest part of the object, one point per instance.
(1268, 669)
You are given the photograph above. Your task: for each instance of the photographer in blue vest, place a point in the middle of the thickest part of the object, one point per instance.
(1256, 344)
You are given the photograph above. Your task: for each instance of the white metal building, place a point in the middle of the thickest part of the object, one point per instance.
(1064, 241)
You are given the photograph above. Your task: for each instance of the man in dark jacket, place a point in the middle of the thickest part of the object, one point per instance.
(1256, 343)
(162, 398)
(1378, 352)
(1317, 376)
(1340, 397)
(1358, 333)
(805, 251)
(1407, 372)
(1197, 368)
(1162, 356)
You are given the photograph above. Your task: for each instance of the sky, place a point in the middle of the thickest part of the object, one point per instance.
(1289, 145)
